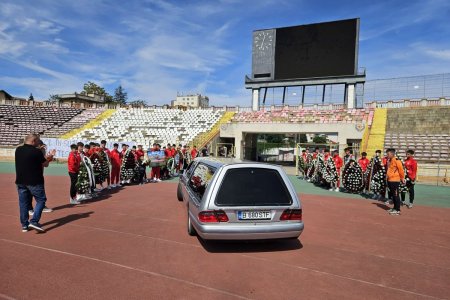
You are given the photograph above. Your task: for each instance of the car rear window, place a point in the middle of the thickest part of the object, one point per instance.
(253, 187)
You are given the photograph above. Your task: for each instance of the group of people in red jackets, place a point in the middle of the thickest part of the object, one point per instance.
(358, 176)
(91, 165)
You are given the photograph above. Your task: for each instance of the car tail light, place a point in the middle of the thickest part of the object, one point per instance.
(212, 216)
(291, 214)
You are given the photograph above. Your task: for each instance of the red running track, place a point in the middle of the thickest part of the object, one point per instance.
(133, 244)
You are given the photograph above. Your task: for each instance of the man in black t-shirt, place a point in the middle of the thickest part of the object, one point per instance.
(204, 151)
(30, 163)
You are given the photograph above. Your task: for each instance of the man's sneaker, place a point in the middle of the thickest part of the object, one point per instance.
(74, 201)
(36, 226)
(24, 228)
(97, 190)
(394, 212)
(410, 205)
(109, 187)
(336, 190)
(331, 189)
(47, 210)
(31, 212)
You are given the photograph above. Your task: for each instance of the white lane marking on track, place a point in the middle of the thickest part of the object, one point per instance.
(127, 267)
(125, 233)
(7, 297)
(137, 235)
(346, 277)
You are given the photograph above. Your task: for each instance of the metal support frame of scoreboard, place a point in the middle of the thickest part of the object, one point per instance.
(350, 84)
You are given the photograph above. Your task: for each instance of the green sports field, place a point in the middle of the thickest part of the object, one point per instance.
(428, 195)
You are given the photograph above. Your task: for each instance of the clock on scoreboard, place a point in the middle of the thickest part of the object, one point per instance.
(263, 54)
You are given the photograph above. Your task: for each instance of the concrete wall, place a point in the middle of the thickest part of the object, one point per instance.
(237, 130)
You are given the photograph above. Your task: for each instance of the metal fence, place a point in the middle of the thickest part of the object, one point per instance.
(414, 87)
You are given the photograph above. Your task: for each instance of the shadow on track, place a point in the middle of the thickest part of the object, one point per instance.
(382, 205)
(251, 246)
(65, 220)
(100, 197)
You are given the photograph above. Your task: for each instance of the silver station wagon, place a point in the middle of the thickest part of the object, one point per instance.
(234, 200)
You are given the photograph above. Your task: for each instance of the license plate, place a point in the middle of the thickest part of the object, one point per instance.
(254, 215)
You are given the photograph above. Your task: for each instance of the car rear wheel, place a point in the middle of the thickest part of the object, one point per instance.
(190, 228)
(179, 193)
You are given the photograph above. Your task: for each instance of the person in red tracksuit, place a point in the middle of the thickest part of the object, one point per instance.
(194, 152)
(116, 162)
(315, 153)
(168, 151)
(338, 162)
(124, 149)
(73, 164)
(363, 162)
(411, 167)
(139, 152)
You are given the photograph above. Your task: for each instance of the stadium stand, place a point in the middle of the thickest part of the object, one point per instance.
(76, 122)
(424, 129)
(374, 133)
(149, 125)
(307, 116)
(17, 121)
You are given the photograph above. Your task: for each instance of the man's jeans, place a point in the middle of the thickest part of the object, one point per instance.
(26, 194)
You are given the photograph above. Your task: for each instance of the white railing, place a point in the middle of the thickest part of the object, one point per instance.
(408, 103)
(325, 107)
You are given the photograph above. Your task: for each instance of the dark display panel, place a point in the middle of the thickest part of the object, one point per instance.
(317, 50)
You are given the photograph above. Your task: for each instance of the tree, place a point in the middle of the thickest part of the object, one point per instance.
(320, 139)
(31, 98)
(274, 138)
(108, 98)
(138, 103)
(92, 88)
(303, 138)
(53, 98)
(120, 96)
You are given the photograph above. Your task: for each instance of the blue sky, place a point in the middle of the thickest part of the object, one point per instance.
(155, 49)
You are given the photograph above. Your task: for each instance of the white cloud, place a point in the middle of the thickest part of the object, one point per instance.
(182, 53)
(10, 47)
(37, 26)
(8, 44)
(52, 47)
(439, 54)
